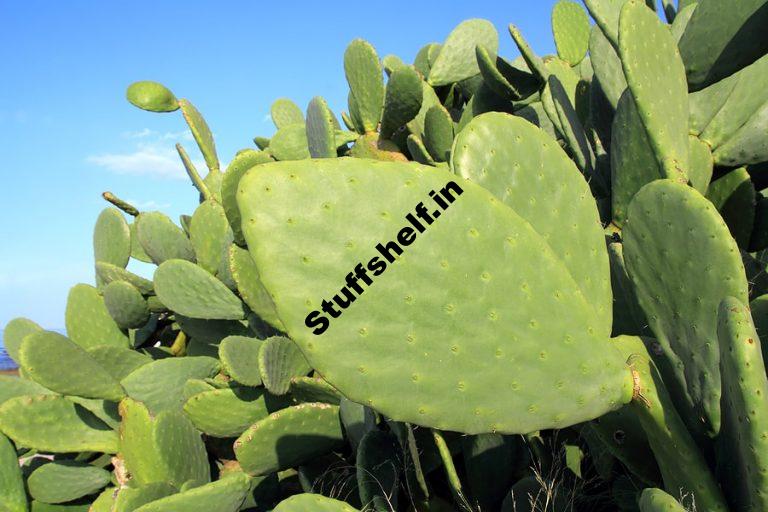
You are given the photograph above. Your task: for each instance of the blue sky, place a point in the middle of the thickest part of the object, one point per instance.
(67, 133)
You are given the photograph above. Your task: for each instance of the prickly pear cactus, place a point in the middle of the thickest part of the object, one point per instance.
(413, 310)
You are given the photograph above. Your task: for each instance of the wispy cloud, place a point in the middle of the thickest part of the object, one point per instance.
(153, 154)
(149, 205)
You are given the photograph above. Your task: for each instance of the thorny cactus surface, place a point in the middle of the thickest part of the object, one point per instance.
(530, 284)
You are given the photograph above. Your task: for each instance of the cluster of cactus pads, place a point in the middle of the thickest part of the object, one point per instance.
(578, 332)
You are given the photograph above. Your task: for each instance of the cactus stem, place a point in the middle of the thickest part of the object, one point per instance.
(179, 347)
(450, 469)
(122, 205)
(197, 181)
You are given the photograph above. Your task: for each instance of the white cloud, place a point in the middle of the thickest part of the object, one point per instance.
(153, 154)
(149, 205)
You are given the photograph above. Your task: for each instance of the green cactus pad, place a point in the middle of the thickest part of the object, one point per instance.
(721, 38)
(228, 412)
(533, 62)
(150, 447)
(438, 133)
(402, 100)
(606, 15)
(378, 470)
(607, 66)
(117, 361)
(633, 163)
(201, 133)
(237, 167)
(734, 197)
(366, 83)
(112, 238)
(15, 332)
(730, 116)
(574, 134)
(744, 472)
(129, 499)
(280, 359)
(656, 77)
(55, 424)
(669, 226)
(418, 151)
(357, 419)
(300, 265)
(62, 481)
(701, 164)
(12, 386)
(151, 96)
(314, 389)
(191, 291)
(628, 316)
(656, 500)
(126, 305)
(570, 27)
(456, 60)
(314, 502)
(285, 112)
(13, 497)
(683, 468)
(209, 233)
(488, 152)
(137, 251)
(108, 272)
(249, 286)
(160, 384)
(88, 321)
(503, 78)
(225, 495)
(239, 356)
(60, 365)
(313, 429)
(161, 239)
(290, 143)
(371, 146)
(321, 134)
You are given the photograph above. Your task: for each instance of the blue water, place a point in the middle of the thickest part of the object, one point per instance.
(5, 362)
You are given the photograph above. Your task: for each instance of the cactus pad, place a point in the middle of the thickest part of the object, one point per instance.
(304, 267)
(112, 238)
(656, 500)
(734, 197)
(126, 305)
(570, 27)
(229, 412)
(237, 167)
(191, 291)
(160, 384)
(88, 321)
(201, 133)
(656, 77)
(669, 225)
(314, 502)
(151, 96)
(209, 233)
(161, 239)
(366, 83)
(52, 360)
(15, 332)
(285, 112)
(488, 152)
(250, 288)
(62, 481)
(402, 100)
(225, 495)
(13, 497)
(456, 60)
(321, 136)
(744, 471)
(239, 356)
(55, 424)
(279, 361)
(108, 273)
(288, 438)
